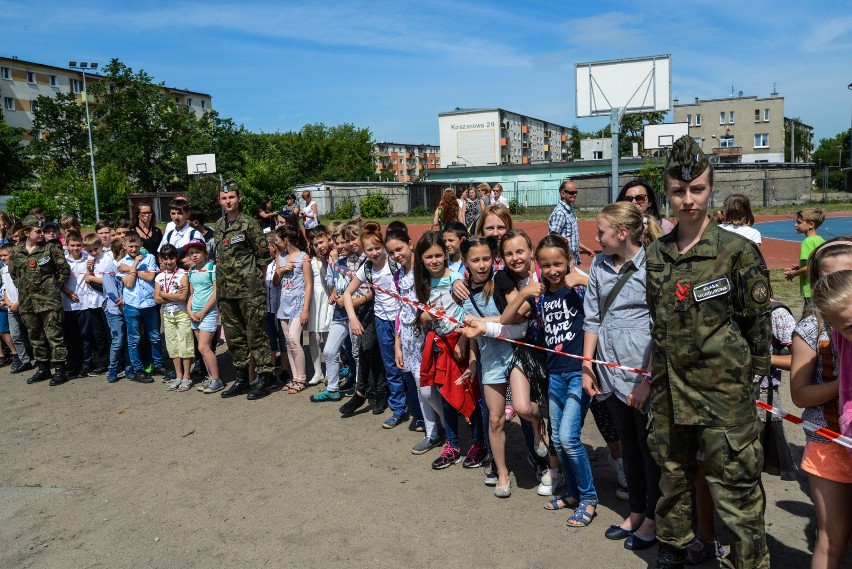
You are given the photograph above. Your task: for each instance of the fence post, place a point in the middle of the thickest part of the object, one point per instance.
(765, 188)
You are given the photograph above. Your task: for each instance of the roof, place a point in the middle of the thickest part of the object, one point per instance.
(17, 61)
(755, 97)
(459, 111)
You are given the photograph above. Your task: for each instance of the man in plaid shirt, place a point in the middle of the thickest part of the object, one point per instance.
(563, 221)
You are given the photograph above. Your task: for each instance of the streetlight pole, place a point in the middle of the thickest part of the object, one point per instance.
(850, 135)
(82, 67)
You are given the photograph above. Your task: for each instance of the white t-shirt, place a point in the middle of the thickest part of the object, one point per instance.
(180, 237)
(386, 307)
(8, 284)
(310, 217)
(170, 283)
(746, 231)
(502, 201)
(101, 266)
(273, 293)
(86, 297)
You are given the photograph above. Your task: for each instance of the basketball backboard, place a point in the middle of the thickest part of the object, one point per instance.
(201, 164)
(641, 84)
(657, 136)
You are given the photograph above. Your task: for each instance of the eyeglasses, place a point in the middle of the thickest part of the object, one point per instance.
(574, 193)
(637, 199)
(144, 213)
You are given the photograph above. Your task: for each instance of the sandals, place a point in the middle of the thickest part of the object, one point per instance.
(567, 503)
(295, 387)
(582, 517)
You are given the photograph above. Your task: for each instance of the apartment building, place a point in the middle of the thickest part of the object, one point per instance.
(405, 161)
(481, 137)
(22, 82)
(744, 129)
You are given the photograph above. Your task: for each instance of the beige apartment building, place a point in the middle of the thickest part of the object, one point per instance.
(405, 161)
(22, 82)
(742, 129)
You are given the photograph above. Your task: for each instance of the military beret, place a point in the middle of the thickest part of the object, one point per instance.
(686, 160)
(31, 221)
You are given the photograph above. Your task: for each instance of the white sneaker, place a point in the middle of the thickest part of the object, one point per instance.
(316, 380)
(618, 466)
(549, 485)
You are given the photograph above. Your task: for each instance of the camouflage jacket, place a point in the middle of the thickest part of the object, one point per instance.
(712, 327)
(39, 276)
(242, 255)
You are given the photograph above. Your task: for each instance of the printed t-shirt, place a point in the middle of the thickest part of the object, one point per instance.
(441, 297)
(170, 283)
(562, 318)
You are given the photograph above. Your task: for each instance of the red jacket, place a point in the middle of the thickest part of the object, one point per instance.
(439, 367)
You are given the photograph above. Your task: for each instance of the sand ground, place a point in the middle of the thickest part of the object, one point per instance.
(130, 475)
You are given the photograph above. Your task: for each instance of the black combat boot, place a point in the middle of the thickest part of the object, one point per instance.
(352, 405)
(239, 386)
(670, 557)
(260, 388)
(59, 376)
(42, 373)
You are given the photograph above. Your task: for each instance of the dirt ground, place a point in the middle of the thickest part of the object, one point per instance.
(130, 475)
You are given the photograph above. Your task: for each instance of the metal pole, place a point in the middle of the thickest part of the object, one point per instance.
(91, 148)
(792, 140)
(615, 129)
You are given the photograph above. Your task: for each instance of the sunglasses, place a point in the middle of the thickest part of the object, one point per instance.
(569, 193)
(144, 213)
(637, 199)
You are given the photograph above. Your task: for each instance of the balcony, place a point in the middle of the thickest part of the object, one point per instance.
(730, 151)
(547, 148)
(547, 134)
(526, 145)
(504, 125)
(564, 138)
(525, 129)
(525, 160)
(504, 141)
(506, 159)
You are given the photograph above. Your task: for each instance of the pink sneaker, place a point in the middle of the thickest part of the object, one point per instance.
(510, 413)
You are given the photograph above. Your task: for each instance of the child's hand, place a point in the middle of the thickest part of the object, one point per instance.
(357, 329)
(303, 319)
(397, 357)
(460, 291)
(90, 264)
(639, 395)
(466, 376)
(590, 380)
(473, 330)
(532, 289)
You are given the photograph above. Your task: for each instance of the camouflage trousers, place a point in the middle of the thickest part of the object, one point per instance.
(733, 462)
(245, 331)
(45, 331)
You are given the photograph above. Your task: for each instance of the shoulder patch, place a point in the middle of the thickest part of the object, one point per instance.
(711, 289)
(43, 261)
(760, 292)
(238, 238)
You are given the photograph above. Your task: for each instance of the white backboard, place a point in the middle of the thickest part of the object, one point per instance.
(201, 164)
(641, 84)
(659, 136)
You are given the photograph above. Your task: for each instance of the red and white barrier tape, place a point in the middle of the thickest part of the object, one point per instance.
(807, 425)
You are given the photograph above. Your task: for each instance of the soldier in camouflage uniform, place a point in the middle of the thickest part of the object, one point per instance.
(40, 271)
(708, 292)
(242, 255)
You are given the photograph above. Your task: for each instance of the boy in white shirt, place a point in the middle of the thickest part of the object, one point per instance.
(182, 233)
(77, 299)
(97, 265)
(16, 331)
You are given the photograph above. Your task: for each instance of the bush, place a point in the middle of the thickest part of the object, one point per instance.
(419, 210)
(375, 205)
(343, 210)
(23, 201)
(516, 207)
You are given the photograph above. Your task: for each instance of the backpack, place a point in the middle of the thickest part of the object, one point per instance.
(194, 235)
(395, 270)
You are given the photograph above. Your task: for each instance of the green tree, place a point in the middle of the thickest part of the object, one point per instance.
(574, 138)
(632, 130)
(16, 168)
(804, 141)
(64, 140)
(832, 153)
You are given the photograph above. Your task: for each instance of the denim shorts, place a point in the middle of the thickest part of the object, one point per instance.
(4, 321)
(208, 323)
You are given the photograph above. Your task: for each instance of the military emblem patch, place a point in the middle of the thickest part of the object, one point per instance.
(32, 264)
(686, 173)
(43, 261)
(760, 292)
(711, 289)
(238, 239)
(682, 291)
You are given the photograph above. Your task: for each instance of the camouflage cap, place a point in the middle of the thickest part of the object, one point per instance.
(686, 160)
(31, 221)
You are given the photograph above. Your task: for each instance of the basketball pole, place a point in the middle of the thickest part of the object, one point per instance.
(615, 129)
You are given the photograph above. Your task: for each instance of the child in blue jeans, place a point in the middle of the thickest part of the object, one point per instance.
(114, 290)
(137, 272)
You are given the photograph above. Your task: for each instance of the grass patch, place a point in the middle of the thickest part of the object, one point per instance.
(786, 291)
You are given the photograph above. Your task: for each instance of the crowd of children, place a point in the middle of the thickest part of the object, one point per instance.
(359, 291)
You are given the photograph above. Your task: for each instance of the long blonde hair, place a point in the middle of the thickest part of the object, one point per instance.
(831, 293)
(643, 230)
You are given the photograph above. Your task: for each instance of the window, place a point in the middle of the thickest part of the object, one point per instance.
(5, 73)
(756, 115)
(761, 140)
(597, 154)
(188, 101)
(698, 120)
(726, 142)
(203, 104)
(76, 86)
(722, 117)
(9, 103)
(765, 115)
(53, 81)
(689, 120)
(34, 106)
(30, 76)
(731, 117)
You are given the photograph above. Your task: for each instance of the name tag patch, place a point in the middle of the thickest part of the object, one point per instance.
(711, 289)
(238, 239)
(43, 261)
(656, 267)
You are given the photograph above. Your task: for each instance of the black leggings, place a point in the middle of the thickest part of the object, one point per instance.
(643, 474)
(603, 420)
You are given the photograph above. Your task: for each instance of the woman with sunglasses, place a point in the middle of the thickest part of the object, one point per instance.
(144, 223)
(640, 194)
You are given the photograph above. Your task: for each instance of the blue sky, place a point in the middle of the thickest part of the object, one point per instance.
(393, 66)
